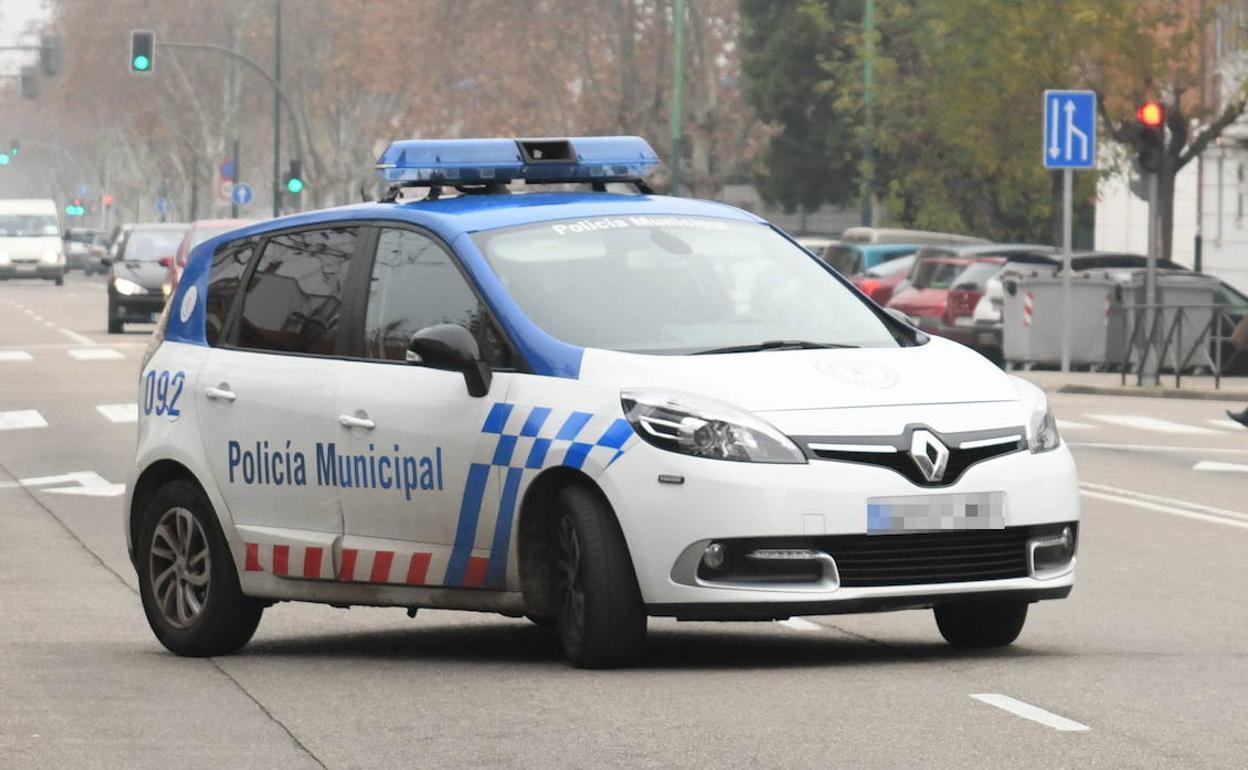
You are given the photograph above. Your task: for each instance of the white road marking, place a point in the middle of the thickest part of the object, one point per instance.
(1155, 448)
(1207, 465)
(36, 316)
(801, 624)
(79, 338)
(1068, 425)
(1140, 422)
(1225, 424)
(119, 412)
(88, 483)
(1028, 711)
(48, 324)
(22, 419)
(14, 355)
(95, 354)
(1183, 508)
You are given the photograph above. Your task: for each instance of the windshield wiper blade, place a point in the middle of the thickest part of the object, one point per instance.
(772, 345)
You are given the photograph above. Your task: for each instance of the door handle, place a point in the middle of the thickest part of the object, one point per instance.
(220, 394)
(351, 421)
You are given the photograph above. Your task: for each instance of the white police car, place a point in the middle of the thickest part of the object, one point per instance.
(581, 407)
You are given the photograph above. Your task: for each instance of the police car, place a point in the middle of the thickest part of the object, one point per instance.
(583, 407)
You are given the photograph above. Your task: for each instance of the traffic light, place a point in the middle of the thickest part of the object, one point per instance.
(294, 177)
(30, 82)
(15, 148)
(5, 159)
(75, 208)
(142, 51)
(50, 58)
(1150, 136)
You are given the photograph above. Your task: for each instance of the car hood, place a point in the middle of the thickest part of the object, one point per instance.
(30, 247)
(938, 372)
(149, 275)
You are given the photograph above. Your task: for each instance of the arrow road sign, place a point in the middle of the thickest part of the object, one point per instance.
(242, 194)
(1069, 129)
(162, 206)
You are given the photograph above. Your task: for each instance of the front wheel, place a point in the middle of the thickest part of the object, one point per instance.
(981, 624)
(60, 280)
(601, 617)
(187, 580)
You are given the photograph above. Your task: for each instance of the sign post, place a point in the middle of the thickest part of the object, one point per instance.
(1069, 144)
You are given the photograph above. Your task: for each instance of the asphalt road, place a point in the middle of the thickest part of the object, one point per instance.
(1146, 665)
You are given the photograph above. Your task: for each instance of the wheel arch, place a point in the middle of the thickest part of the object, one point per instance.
(153, 477)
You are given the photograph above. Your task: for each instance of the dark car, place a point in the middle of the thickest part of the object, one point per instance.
(140, 273)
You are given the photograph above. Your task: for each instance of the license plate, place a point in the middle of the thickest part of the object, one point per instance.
(935, 513)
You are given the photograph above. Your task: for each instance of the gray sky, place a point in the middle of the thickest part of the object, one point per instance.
(15, 16)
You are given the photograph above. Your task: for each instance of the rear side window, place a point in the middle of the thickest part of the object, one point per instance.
(224, 278)
(416, 284)
(294, 299)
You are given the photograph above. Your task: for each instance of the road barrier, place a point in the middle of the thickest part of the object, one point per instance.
(1181, 337)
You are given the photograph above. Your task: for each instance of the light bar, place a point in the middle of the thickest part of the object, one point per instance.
(432, 162)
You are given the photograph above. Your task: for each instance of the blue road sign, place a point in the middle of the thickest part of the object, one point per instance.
(84, 191)
(1069, 129)
(227, 169)
(162, 206)
(242, 193)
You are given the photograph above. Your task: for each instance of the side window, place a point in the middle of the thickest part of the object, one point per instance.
(294, 298)
(416, 284)
(224, 278)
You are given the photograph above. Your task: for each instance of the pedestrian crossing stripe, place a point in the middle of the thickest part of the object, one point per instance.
(1157, 425)
(22, 419)
(95, 354)
(14, 355)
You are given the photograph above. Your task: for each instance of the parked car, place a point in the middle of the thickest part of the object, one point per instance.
(880, 281)
(200, 231)
(861, 235)
(854, 258)
(140, 273)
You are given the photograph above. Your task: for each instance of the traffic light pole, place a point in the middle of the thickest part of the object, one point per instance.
(1150, 364)
(237, 178)
(277, 113)
(1068, 204)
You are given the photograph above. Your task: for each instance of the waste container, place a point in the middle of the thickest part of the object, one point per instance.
(1193, 292)
(1033, 318)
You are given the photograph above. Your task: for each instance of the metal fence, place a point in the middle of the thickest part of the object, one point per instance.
(1177, 337)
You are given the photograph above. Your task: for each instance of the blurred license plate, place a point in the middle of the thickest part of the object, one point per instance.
(933, 513)
(26, 268)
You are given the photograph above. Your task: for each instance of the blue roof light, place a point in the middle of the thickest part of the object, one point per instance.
(430, 162)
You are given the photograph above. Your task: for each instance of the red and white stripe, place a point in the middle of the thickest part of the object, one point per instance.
(1028, 305)
(359, 565)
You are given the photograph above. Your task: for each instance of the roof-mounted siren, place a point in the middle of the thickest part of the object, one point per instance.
(594, 160)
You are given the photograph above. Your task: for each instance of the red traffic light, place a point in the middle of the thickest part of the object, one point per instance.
(1151, 114)
(106, 199)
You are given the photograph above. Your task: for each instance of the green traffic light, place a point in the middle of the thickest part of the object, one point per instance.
(294, 186)
(141, 63)
(4, 159)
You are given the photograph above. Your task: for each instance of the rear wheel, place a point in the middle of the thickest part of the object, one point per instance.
(981, 624)
(601, 617)
(187, 580)
(60, 280)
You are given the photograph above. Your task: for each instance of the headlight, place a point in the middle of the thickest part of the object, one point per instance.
(4, 259)
(50, 257)
(1043, 430)
(129, 288)
(704, 427)
(166, 289)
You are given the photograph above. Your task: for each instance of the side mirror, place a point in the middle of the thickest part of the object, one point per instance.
(451, 346)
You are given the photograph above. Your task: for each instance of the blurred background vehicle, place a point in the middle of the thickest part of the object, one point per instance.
(198, 232)
(141, 273)
(30, 240)
(78, 243)
(880, 281)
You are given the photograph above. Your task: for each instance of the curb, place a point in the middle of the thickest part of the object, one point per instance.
(1154, 392)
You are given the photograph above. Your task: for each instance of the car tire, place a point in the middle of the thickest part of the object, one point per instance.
(187, 580)
(601, 617)
(981, 624)
(60, 280)
(115, 325)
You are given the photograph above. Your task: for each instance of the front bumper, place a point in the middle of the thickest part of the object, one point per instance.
(140, 308)
(725, 500)
(32, 270)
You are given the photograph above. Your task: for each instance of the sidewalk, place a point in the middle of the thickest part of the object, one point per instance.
(1233, 389)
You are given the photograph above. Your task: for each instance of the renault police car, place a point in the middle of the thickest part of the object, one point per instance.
(583, 407)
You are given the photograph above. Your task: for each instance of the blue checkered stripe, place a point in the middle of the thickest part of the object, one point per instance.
(518, 442)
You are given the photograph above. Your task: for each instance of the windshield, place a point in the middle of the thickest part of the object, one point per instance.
(151, 245)
(673, 285)
(28, 226)
(843, 258)
(935, 273)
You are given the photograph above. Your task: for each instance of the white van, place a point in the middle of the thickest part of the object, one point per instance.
(30, 241)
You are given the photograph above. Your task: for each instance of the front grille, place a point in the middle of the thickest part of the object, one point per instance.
(894, 451)
(929, 557)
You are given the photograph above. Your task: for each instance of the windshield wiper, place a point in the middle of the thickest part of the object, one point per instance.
(772, 345)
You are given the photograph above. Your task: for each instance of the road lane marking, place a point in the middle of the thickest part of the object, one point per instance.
(1208, 465)
(48, 324)
(1183, 508)
(1155, 448)
(1225, 424)
(14, 355)
(83, 483)
(119, 412)
(22, 419)
(95, 354)
(800, 624)
(1068, 425)
(1140, 422)
(1028, 711)
(81, 339)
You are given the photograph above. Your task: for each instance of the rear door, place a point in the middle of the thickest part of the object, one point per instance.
(267, 393)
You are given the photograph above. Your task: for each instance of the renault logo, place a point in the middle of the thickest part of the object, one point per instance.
(929, 454)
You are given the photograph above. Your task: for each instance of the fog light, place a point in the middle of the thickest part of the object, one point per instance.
(713, 556)
(1052, 555)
